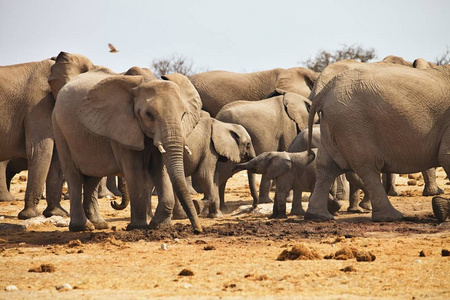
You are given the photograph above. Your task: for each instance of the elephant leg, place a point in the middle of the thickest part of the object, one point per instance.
(252, 184)
(431, 188)
(342, 188)
(390, 184)
(210, 185)
(54, 183)
(297, 208)
(382, 209)
(223, 206)
(103, 191)
(166, 201)
(112, 186)
(5, 195)
(264, 189)
(39, 154)
(354, 199)
(281, 193)
(178, 211)
(74, 178)
(327, 171)
(90, 202)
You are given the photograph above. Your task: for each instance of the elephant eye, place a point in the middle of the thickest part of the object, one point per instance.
(150, 116)
(247, 146)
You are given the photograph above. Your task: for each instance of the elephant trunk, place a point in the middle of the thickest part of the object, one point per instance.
(125, 198)
(173, 160)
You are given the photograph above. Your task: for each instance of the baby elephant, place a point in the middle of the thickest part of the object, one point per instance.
(292, 171)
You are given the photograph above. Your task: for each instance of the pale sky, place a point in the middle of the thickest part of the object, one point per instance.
(239, 36)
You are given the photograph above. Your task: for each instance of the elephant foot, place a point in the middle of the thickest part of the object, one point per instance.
(160, 223)
(388, 214)
(393, 193)
(6, 197)
(265, 200)
(333, 206)
(278, 216)
(215, 215)
(432, 191)
(179, 215)
(137, 225)
(83, 226)
(101, 224)
(224, 207)
(28, 213)
(365, 205)
(55, 211)
(441, 208)
(297, 212)
(356, 210)
(318, 215)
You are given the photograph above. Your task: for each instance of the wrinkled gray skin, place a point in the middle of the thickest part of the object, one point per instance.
(218, 88)
(25, 127)
(210, 141)
(8, 169)
(374, 99)
(292, 171)
(431, 188)
(300, 144)
(272, 124)
(91, 145)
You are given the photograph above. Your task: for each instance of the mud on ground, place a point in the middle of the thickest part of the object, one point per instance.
(235, 257)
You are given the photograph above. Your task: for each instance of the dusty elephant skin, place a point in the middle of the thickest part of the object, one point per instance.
(147, 147)
(26, 130)
(288, 115)
(218, 88)
(378, 104)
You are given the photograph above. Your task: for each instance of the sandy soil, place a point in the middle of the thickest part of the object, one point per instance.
(236, 256)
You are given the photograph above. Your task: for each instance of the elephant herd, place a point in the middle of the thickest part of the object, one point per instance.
(67, 119)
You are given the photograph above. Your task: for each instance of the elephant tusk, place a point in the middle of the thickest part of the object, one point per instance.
(187, 149)
(161, 148)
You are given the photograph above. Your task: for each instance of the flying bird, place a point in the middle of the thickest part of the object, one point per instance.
(112, 48)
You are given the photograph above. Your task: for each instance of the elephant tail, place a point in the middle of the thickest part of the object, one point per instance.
(312, 113)
(125, 198)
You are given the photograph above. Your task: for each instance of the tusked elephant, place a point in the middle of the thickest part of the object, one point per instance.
(26, 105)
(272, 124)
(292, 172)
(397, 116)
(218, 88)
(210, 141)
(109, 124)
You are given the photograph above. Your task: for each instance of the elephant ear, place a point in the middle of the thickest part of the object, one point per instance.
(278, 165)
(297, 108)
(225, 140)
(108, 111)
(67, 66)
(190, 97)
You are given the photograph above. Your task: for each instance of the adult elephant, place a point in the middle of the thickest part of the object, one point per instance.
(217, 88)
(26, 105)
(430, 188)
(272, 124)
(402, 116)
(153, 115)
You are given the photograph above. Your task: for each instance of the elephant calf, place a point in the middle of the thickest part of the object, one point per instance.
(292, 171)
(210, 141)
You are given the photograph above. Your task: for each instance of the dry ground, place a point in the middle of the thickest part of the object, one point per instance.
(236, 257)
